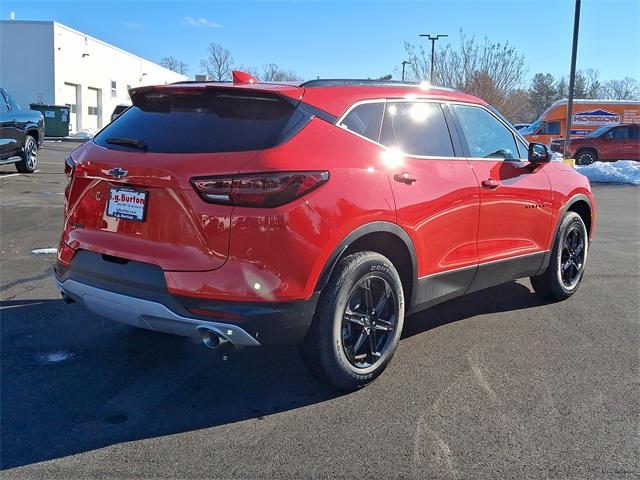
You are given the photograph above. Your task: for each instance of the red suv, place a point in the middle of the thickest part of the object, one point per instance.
(608, 144)
(319, 214)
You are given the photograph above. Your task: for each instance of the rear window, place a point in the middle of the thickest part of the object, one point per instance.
(207, 121)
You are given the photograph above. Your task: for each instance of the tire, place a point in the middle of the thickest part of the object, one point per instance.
(340, 324)
(568, 260)
(29, 155)
(586, 157)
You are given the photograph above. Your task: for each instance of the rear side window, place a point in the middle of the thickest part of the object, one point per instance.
(620, 133)
(416, 128)
(207, 121)
(365, 119)
(3, 104)
(486, 136)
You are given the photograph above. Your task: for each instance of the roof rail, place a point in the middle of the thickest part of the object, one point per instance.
(355, 82)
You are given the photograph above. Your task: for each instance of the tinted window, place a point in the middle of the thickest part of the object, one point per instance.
(416, 128)
(204, 122)
(12, 104)
(620, 133)
(597, 132)
(365, 120)
(635, 132)
(550, 128)
(523, 149)
(3, 104)
(486, 136)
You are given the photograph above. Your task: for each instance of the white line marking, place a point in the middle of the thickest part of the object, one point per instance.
(44, 251)
(10, 175)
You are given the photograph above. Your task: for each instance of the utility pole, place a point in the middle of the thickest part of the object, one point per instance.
(433, 49)
(572, 78)
(404, 62)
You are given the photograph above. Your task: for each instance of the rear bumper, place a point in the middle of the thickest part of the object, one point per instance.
(135, 293)
(147, 314)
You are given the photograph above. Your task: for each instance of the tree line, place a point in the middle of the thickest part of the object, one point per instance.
(493, 71)
(219, 64)
(496, 72)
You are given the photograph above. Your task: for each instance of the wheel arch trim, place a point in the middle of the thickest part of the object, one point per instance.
(360, 232)
(573, 200)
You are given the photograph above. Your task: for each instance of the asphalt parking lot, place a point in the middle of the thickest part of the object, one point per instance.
(494, 385)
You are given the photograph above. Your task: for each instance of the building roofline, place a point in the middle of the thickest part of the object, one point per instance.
(78, 32)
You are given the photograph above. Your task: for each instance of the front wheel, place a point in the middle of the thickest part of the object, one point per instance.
(29, 161)
(358, 322)
(568, 259)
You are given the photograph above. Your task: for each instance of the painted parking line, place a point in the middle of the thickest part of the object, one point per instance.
(9, 175)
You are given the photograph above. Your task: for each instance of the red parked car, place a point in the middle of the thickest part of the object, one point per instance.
(606, 144)
(321, 213)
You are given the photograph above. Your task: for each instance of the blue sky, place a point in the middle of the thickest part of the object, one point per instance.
(352, 38)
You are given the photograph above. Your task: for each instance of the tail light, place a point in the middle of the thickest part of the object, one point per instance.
(69, 166)
(258, 189)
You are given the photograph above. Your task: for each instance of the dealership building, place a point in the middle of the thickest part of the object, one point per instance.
(50, 63)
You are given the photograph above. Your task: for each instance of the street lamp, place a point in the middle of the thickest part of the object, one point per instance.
(433, 48)
(404, 62)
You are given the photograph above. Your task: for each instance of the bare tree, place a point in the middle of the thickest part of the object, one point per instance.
(218, 63)
(490, 70)
(625, 89)
(172, 63)
(271, 72)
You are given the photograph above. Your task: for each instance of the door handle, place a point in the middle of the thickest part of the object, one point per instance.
(404, 177)
(490, 183)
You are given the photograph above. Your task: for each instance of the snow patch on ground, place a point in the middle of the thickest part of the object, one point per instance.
(622, 171)
(44, 251)
(56, 357)
(86, 133)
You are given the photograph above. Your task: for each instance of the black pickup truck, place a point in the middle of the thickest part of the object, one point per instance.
(21, 134)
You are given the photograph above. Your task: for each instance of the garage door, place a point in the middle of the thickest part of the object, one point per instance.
(71, 101)
(93, 102)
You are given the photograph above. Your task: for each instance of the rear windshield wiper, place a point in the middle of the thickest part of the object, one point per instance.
(128, 142)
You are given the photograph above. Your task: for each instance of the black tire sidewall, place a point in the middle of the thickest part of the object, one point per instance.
(23, 165)
(338, 364)
(590, 157)
(570, 219)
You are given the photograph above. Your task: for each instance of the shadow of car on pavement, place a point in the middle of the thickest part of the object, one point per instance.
(73, 382)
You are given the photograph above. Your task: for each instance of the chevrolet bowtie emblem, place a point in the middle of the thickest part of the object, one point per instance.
(118, 172)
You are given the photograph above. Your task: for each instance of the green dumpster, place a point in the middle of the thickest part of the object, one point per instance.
(56, 119)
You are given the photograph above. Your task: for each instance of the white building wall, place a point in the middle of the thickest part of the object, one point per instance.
(26, 61)
(66, 66)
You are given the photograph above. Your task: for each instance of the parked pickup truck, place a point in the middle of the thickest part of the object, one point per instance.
(21, 134)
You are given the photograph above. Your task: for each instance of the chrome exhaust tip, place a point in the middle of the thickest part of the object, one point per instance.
(211, 338)
(66, 298)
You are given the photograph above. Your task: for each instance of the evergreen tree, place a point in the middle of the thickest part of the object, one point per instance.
(542, 93)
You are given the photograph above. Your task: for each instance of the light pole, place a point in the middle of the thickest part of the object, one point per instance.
(433, 48)
(572, 78)
(404, 62)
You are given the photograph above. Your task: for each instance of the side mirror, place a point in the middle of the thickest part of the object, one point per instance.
(539, 153)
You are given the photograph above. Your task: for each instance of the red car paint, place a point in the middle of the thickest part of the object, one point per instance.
(459, 212)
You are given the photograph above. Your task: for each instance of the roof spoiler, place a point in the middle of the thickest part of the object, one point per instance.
(240, 77)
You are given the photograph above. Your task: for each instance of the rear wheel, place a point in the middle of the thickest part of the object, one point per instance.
(586, 157)
(358, 322)
(568, 259)
(29, 161)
